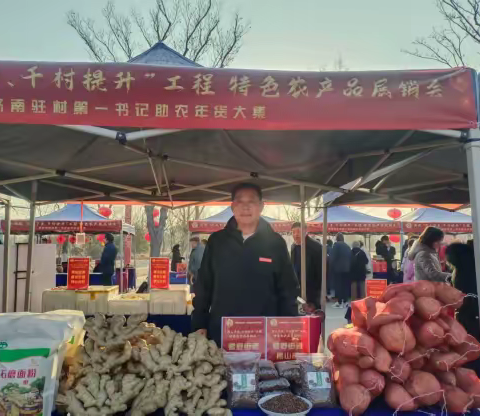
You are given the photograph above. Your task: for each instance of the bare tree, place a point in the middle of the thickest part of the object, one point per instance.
(195, 28)
(447, 45)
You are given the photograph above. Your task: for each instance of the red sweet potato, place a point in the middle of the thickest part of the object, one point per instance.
(405, 295)
(427, 308)
(350, 343)
(399, 370)
(355, 399)
(423, 288)
(456, 399)
(445, 361)
(392, 290)
(396, 309)
(383, 359)
(449, 295)
(345, 375)
(398, 398)
(469, 349)
(366, 362)
(360, 309)
(446, 377)
(443, 324)
(457, 334)
(424, 388)
(373, 381)
(468, 381)
(415, 358)
(430, 334)
(397, 337)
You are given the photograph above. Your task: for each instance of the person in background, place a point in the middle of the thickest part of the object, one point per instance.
(195, 259)
(424, 254)
(340, 265)
(369, 257)
(204, 241)
(176, 257)
(246, 269)
(358, 271)
(313, 267)
(387, 251)
(107, 261)
(407, 267)
(405, 246)
(330, 284)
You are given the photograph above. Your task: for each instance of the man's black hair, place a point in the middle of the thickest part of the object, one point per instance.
(247, 185)
(296, 225)
(384, 238)
(109, 237)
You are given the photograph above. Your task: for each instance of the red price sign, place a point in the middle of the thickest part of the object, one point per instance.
(375, 287)
(286, 337)
(181, 267)
(244, 334)
(78, 273)
(159, 272)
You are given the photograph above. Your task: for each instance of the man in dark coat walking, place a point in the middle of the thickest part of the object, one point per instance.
(340, 263)
(246, 269)
(313, 266)
(107, 261)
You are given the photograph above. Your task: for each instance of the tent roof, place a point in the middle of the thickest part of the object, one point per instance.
(227, 213)
(161, 54)
(73, 212)
(345, 214)
(436, 216)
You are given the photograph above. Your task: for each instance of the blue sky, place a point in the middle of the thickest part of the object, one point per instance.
(285, 34)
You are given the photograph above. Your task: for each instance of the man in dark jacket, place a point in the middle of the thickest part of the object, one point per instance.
(313, 269)
(246, 269)
(340, 263)
(107, 261)
(387, 251)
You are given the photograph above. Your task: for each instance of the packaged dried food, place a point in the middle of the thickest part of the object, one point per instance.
(267, 370)
(278, 384)
(289, 370)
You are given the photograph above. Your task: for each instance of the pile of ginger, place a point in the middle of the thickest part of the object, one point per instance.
(132, 365)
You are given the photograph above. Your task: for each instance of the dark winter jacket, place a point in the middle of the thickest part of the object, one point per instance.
(176, 258)
(243, 278)
(314, 269)
(107, 261)
(340, 258)
(358, 266)
(388, 254)
(461, 256)
(195, 260)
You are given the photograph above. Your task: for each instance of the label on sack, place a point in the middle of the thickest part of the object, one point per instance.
(243, 382)
(318, 380)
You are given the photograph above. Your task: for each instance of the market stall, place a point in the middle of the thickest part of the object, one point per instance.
(449, 222)
(298, 135)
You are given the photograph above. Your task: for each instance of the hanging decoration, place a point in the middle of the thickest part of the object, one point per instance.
(394, 213)
(147, 236)
(105, 211)
(61, 239)
(72, 239)
(101, 238)
(156, 222)
(156, 213)
(395, 238)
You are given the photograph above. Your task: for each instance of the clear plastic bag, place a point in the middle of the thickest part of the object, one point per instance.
(289, 370)
(278, 384)
(267, 370)
(243, 379)
(316, 380)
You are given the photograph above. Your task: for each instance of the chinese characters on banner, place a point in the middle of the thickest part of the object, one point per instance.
(159, 272)
(187, 98)
(78, 273)
(276, 338)
(375, 287)
(244, 334)
(67, 226)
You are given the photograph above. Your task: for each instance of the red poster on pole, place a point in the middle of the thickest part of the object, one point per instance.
(375, 287)
(287, 336)
(78, 273)
(159, 272)
(243, 334)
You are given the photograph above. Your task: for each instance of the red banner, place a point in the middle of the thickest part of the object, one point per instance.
(159, 272)
(78, 273)
(207, 227)
(243, 334)
(204, 98)
(448, 228)
(355, 227)
(19, 226)
(375, 287)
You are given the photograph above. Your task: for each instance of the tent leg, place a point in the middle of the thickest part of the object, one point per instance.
(303, 251)
(323, 301)
(473, 164)
(6, 255)
(122, 251)
(31, 237)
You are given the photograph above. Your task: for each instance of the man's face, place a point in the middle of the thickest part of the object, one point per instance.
(247, 207)
(296, 234)
(193, 244)
(386, 242)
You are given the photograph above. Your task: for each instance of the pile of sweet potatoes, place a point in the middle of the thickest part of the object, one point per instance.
(408, 346)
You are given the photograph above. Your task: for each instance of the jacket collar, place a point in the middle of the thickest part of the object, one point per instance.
(263, 227)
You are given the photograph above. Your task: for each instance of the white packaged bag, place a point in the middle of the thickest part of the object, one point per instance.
(32, 347)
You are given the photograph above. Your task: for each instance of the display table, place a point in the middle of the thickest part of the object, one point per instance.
(129, 278)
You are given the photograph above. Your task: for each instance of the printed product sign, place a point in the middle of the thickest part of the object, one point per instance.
(244, 334)
(78, 273)
(243, 382)
(319, 380)
(375, 287)
(159, 272)
(286, 337)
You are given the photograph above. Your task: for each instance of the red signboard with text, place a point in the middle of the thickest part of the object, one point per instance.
(287, 336)
(159, 272)
(244, 334)
(78, 273)
(133, 95)
(375, 287)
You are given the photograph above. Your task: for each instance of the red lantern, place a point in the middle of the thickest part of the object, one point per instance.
(72, 239)
(157, 223)
(394, 213)
(394, 238)
(61, 239)
(101, 238)
(147, 237)
(156, 213)
(105, 211)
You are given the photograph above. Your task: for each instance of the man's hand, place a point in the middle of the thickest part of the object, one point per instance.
(309, 308)
(202, 332)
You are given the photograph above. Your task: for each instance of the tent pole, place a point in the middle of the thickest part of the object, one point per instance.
(303, 251)
(473, 164)
(6, 254)
(31, 237)
(323, 301)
